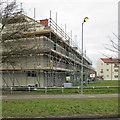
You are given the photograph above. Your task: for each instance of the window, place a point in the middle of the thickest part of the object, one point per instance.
(31, 74)
(55, 46)
(116, 70)
(107, 69)
(101, 70)
(107, 75)
(28, 74)
(101, 63)
(116, 76)
(107, 63)
(115, 64)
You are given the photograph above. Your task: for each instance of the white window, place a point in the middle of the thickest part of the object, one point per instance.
(115, 64)
(107, 75)
(107, 69)
(101, 70)
(116, 76)
(116, 70)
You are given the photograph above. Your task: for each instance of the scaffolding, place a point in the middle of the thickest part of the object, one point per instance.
(40, 53)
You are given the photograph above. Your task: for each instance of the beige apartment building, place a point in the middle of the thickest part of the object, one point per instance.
(108, 68)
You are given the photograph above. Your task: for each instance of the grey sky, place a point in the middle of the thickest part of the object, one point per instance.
(102, 23)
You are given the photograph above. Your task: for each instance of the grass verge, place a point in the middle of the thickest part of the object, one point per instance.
(104, 83)
(66, 91)
(59, 107)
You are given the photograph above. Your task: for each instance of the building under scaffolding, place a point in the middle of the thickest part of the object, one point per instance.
(39, 53)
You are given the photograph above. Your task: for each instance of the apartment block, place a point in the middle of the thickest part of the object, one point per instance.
(108, 68)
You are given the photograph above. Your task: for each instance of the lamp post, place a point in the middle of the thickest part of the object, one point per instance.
(85, 19)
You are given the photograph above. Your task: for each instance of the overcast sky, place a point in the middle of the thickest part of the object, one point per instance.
(98, 30)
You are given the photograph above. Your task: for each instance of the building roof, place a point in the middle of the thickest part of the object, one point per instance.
(110, 60)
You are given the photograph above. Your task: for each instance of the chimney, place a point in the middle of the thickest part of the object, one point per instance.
(75, 48)
(44, 22)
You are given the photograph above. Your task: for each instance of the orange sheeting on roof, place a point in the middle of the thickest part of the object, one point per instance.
(40, 31)
(10, 68)
(19, 68)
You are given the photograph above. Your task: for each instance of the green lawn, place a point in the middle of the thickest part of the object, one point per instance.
(59, 107)
(103, 83)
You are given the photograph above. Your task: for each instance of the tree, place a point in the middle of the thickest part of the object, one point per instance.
(114, 46)
(8, 9)
(13, 25)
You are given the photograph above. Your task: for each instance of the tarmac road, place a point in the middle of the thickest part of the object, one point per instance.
(8, 97)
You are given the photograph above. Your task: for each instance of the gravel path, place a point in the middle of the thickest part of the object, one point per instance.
(8, 97)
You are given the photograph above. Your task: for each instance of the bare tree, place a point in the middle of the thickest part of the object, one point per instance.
(8, 9)
(13, 25)
(113, 46)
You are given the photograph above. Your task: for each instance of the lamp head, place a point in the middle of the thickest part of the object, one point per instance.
(85, 19)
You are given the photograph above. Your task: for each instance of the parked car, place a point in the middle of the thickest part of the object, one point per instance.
(30, 85)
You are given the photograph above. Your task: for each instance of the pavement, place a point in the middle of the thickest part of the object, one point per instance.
(90, 117)
(8, 97)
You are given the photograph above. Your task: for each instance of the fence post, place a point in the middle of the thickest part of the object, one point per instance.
(78, 89)
(93, 88)
(108, 88)
(45, 90)
(62, 89)
(11, 89)
(29, 89)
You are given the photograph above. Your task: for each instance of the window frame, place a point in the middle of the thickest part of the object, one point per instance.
(31, 74)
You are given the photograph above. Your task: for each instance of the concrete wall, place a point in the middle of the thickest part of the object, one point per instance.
(21, 78)
(14, 78)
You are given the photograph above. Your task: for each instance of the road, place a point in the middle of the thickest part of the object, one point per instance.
(8, 97)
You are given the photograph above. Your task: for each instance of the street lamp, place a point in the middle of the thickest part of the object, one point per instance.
(85, 19)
